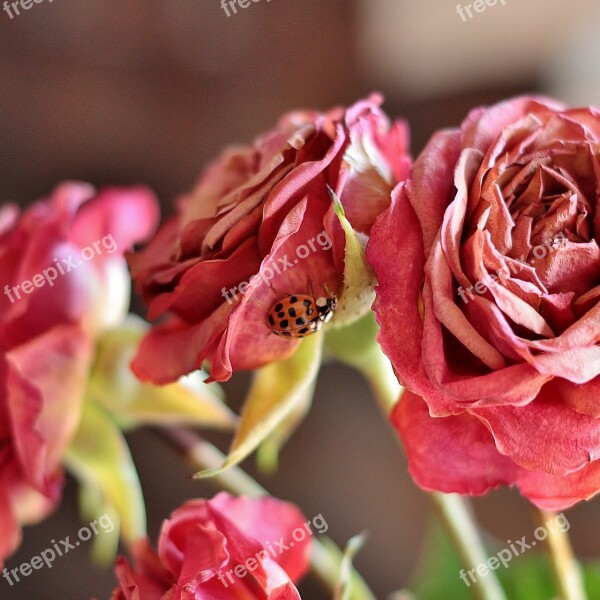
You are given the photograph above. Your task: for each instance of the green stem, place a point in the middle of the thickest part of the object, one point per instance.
(457, 517)
(358, 348)
(326, 558)
(567, 571)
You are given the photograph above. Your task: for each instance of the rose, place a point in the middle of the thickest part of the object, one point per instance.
(232, 252)
(221, 548)
(505, 384)
(55, 301)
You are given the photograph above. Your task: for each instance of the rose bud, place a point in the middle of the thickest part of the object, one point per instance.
(258, 229)
(221, 548)
(489, 279)
(64, 280)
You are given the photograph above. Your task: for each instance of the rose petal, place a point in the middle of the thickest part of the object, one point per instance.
(270, 520)
(472, 465)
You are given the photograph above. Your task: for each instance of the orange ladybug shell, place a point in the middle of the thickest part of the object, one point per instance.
(300, 315)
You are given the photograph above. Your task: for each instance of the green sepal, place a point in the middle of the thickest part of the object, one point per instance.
(189, 401)
(277, 391)
(357, 294)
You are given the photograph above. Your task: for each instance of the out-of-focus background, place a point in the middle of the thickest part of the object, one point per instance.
(149, 90)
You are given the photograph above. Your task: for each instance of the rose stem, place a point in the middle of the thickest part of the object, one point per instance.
(325, 563)
(567, 571)
(453, 509)
(457, 516)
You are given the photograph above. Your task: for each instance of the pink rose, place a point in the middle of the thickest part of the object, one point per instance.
(218, 549)
(233, 250)
(60, 290)
(489, 278)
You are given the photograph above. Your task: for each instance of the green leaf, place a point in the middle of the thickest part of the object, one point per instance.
(277, 391)
(437, 573)
(267, 454)
(133, 403)
(358, 294)
(531, 577)
(591, 576)
(356, 346)
(528, 577)
(344, 589)
(99, 457)
(352, 343)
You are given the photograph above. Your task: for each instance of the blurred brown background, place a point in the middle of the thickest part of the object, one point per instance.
(148, 91)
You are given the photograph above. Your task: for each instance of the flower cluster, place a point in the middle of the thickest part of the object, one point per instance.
(483, 261)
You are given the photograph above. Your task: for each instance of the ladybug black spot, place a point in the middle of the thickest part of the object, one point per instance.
(293, 299)
(301, 321)
(310, 311)
(271, 320)
(303, 330)
(281, 314)
(292, 312)
(307, 303)
(286, 333)
(278, 307)
(284, 324)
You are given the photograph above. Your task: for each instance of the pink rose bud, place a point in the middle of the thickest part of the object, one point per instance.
(221, 548)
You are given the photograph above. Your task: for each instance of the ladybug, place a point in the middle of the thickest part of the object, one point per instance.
(300, 315)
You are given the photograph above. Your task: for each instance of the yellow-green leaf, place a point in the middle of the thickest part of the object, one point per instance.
(99, 457)
(276, 392)
(113, 385)
(267, 455)
(358, 294)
